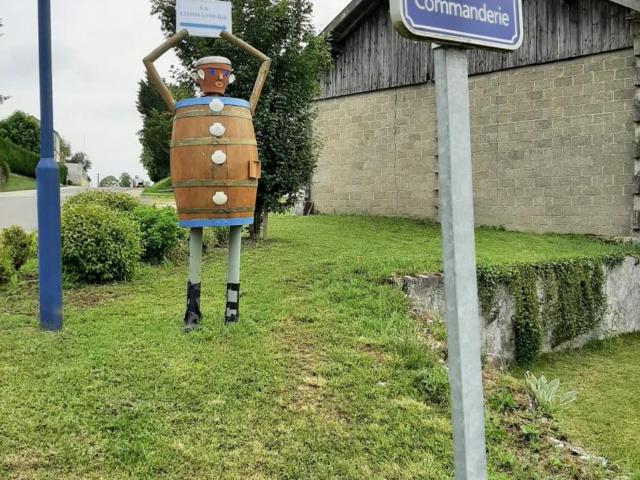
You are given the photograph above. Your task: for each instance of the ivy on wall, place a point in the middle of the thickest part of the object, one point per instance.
(564, 298)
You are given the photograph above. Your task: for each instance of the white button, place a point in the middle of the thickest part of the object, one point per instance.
(220, 198)
(217, 130)
(216, 105)
(219, 157)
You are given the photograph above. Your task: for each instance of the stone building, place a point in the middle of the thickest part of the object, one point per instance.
(553, 124)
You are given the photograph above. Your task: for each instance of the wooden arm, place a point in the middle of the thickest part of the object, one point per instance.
(154, 76)
(264, 68)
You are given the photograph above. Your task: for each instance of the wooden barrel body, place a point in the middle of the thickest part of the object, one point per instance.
(214, 162)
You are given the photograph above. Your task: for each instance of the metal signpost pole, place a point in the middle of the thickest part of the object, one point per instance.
(459, 254)
(497, 25)
(48, 188)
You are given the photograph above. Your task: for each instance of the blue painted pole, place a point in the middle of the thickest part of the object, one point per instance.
(48, 185)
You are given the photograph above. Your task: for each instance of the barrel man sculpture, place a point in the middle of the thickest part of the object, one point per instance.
(214, 163)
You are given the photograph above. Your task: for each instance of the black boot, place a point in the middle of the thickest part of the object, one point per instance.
(232, 313)
(193, 316)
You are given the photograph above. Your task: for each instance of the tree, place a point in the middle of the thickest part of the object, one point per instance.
(23, 130)
(284, 120)
(125, 180)
(65, 150)
(156, 129)
(83, 159)
(109, 181)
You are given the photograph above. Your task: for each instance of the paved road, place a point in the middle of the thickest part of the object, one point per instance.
(20, 208)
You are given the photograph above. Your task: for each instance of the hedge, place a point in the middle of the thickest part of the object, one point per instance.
(23, 162)
(5, 171)
(120, 202)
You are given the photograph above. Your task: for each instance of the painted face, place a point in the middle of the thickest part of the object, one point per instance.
(214, 78)
(220, 77)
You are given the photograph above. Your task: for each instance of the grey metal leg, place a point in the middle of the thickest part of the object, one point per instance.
(193, 316)
(232, 312)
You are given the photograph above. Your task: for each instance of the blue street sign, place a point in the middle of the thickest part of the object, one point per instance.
(492, 24)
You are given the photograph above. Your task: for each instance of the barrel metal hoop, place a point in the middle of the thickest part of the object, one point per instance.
(214, 183)
(208, 113)
(195, 142)
(214, 211)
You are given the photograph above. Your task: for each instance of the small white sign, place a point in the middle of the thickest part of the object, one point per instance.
(203, 18)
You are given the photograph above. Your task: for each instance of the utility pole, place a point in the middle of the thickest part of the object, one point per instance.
(48, 188)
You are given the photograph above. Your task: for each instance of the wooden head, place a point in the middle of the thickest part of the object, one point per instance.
(213, 75)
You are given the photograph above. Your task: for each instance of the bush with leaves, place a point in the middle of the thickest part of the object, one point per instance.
(23, 130)
(549, 400)
(99, 244)
(6, 266)
(120, 202)
(5, 171)
(160, 232)
(17, 244)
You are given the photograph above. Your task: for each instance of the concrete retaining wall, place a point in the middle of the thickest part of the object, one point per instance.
(622, 285)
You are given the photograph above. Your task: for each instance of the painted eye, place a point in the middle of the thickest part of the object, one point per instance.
(226, 74)
(212, 71)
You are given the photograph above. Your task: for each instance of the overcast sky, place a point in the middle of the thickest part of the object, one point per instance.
(97, 56)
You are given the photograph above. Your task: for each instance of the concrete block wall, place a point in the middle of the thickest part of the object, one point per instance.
(553, 148)
(379, 154)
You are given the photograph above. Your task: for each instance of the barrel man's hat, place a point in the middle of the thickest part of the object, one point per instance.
(213, 75)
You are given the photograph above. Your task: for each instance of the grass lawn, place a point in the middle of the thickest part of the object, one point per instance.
(18, 182)
(326, 376)
(606, 416)
(163, 188)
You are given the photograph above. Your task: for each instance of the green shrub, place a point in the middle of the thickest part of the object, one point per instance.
(23, 162)
(160, 232)
(99, 244)
(6, 266)
(17, 244)
(63, 173)
(120, 202)
(5, 171)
